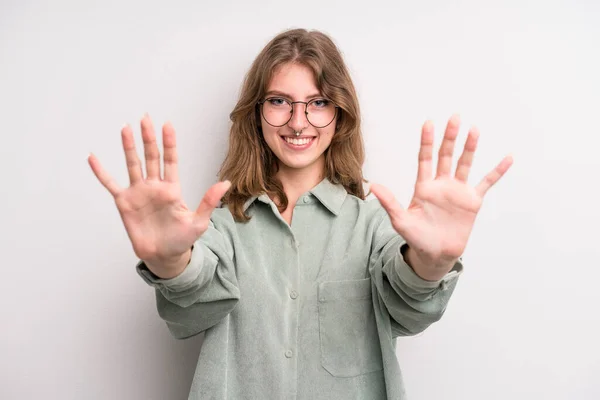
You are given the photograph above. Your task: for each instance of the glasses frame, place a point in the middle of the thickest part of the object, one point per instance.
(306, 103)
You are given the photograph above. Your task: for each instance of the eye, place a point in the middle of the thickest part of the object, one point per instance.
(320, 103)
(276, 101)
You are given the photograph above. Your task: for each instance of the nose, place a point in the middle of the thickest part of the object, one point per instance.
(298, 121)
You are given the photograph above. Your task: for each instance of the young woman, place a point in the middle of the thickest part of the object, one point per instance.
(300, 285)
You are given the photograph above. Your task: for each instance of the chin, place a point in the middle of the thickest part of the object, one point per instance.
(292, 160)
(306, 161)
(297, 164)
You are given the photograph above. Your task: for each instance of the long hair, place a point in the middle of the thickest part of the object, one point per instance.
(250, 164)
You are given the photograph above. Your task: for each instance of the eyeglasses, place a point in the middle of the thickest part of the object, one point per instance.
(278, 111)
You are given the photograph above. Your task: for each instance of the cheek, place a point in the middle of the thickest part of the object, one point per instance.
(331, 129)
(327, 133)
(270, 134)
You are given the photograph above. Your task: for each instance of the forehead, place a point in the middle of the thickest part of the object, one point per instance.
(296, 80)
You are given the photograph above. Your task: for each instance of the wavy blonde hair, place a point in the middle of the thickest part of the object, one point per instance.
(250, 164)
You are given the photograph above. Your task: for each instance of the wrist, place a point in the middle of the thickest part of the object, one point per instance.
(427, 268)
(167, 269)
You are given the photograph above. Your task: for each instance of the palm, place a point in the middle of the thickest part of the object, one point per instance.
(156, 219)
(159, 224)
(440, 217)
(443, 212)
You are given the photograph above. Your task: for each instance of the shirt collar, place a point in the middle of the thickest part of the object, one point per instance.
(331, 195)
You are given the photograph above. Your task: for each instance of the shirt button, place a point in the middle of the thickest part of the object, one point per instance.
(289, 354)
(294, 294)
(305, 199)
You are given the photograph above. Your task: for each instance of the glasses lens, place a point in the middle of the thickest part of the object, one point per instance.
(321, 112)
(277, 112)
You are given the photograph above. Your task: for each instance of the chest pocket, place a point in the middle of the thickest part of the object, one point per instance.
(348, 333)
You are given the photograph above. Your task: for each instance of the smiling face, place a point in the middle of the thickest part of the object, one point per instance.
(304, 152)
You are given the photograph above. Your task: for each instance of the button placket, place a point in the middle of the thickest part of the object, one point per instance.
(293, 305)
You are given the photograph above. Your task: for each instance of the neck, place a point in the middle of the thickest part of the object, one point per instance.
(297, 181)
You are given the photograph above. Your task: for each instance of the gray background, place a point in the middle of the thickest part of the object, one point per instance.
(77, 322)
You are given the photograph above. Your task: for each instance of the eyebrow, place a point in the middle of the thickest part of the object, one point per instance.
(282, 94)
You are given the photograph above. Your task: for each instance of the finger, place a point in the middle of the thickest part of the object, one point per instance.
(389, 203)
(150, 149)
(211, 200)
(493, 177)
(447, 148)
(134, 166)
(105, 179)
(170, 153)
(465, 161)
(426, 152)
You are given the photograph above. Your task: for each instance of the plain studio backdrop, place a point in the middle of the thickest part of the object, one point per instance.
(78, 322)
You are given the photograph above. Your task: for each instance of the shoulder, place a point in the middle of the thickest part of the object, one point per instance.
(222, 217)
(369, 209)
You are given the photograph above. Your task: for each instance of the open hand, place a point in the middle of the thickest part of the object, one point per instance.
(160, 226)
(438, 222)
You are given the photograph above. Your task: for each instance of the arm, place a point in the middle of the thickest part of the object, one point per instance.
(436, 225)
(195, 293)
(412, 302)
(206, 291)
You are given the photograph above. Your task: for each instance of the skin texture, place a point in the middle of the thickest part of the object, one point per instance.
(440, 217)
(162, 229)
(299, 171)
(436, 225)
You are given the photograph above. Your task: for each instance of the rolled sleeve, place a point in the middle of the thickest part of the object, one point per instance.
(410, 278)
(188, 277)
(207, 289)
(412, 303)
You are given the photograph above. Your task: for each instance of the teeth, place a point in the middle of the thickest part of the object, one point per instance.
(297, 142)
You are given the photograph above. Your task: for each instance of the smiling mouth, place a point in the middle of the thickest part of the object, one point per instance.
(297, 141)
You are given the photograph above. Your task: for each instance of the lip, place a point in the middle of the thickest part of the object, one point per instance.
(298, 148)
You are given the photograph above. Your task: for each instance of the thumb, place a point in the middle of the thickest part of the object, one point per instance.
(211, 200)
(389, 203)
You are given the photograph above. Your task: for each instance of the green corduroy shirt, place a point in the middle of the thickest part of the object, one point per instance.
(305, 311)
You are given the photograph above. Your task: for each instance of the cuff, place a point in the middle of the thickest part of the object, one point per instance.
(189, 275)
(411, 279)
